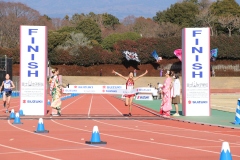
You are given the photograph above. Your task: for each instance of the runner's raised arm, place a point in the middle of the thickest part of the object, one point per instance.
(140, 75)
(116, 73)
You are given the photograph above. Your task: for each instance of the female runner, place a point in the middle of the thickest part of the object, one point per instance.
(129, 86)
(7, 91)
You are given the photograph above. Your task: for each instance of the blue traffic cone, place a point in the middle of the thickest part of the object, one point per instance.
(49, 103)
(17, 119)
(40, 127)
(12, 115)
(95, 137)
(225, 152)
(21, 112)
(237, 117)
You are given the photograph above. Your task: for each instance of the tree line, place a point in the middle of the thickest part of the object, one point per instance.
(89, 39)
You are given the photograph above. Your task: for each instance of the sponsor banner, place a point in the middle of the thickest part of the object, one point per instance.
(99, 91)
(69, 90)
(107, 89)
(197, 102)
(196, 71)
(145, 90)
(98, 86)
(115, 89)
(32, 101)
(96, 89)
(144, 97)
(33, 73)
(84, 86)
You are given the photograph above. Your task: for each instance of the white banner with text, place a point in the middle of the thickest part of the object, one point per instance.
(33, 73)
(196, 71)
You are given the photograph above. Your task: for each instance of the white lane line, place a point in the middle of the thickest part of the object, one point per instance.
(90, 106)
(139, 140)
(29, 152)
(107, 148)
(112, 106)
(214, 146)
(147, 131)
(71, 103)
(160, 125)
(51, 150)
(229, 131)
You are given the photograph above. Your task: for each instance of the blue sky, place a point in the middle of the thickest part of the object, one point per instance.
(118, 8)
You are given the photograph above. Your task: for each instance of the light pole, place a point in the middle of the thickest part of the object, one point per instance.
(5, 63)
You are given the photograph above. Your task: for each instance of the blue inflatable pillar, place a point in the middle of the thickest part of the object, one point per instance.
(237, 117)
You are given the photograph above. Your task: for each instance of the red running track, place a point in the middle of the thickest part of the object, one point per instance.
(126, 139)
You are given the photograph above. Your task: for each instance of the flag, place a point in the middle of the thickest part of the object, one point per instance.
(155, 56)
(178, 53)
(131, 56)
(214, 54)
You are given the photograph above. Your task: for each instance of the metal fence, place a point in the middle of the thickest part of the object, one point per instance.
(5, 67)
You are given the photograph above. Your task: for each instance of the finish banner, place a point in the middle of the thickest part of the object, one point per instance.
(106, 89)
(96, 91)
